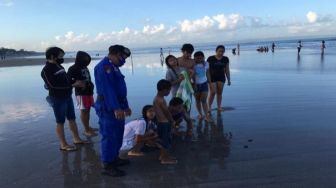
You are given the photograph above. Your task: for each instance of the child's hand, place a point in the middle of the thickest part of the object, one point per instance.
(181, 77)
(119, 114)
(79, 84)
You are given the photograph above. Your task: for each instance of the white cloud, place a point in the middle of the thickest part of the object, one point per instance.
(58, 37)
(153, 29)
(311, 17)
(228, 22)
(196, 25)
(6, 3)
(204, 29)
(316, 24)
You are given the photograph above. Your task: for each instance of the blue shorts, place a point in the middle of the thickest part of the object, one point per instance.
(164, 132)
(201, 87)
(63, 108)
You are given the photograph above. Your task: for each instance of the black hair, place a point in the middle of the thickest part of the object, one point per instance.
(198, 53)
(119, 49)
(175, 101)
(53, 52)
(83, 58)
(188, 48)
(144, 111)
(220, 47)
(163, 84)
(168, 65)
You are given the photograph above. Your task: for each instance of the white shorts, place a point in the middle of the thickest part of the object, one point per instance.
(127, 145)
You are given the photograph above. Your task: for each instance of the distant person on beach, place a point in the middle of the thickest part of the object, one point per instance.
(322, 47)
(178, 112)
(59, 98)
(219, 71)
(112, 107)
(234, 51)
(173, 74)
(161, 56)
(273, 46)
(238, 48)
(299, 46)
(84, 95)
(201, 86)
(140, 132)
(165, 120)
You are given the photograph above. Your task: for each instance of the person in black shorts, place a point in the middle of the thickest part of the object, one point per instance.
(219, 71)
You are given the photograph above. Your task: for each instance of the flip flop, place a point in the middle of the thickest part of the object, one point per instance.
(82, 142)
(68, 148)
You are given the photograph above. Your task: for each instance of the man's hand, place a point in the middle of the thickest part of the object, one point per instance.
(128, 112)
(119, 114)
(79, 84)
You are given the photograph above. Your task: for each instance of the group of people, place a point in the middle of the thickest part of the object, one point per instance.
(299, 46)
(186, 76)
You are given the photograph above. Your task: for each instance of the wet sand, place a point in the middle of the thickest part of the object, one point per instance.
(278, 130)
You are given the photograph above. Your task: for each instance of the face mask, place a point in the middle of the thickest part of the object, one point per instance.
(60, 61)
(122, 61)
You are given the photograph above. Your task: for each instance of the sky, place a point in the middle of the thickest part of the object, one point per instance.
(95, 25)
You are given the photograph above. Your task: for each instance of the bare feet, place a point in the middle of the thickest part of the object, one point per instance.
(90, 133)
(135, 153)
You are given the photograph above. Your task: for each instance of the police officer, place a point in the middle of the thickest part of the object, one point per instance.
(112, 107)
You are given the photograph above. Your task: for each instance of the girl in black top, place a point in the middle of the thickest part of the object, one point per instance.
(84, 95)
(219, 71)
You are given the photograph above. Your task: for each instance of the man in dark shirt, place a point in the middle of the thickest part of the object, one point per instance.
(60, 89)
(84, 95)
(112, 107)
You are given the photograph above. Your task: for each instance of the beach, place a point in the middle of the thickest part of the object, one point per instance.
(277, 128)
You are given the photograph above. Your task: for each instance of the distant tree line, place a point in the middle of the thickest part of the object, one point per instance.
(7, 52)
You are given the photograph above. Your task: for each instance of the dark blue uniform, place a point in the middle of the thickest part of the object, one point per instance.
(111, 95)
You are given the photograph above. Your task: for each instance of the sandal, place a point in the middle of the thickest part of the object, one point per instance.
(81, 142)
(68, 148)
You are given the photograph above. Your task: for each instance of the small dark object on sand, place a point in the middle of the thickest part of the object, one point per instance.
(246, 146)
(250, 140)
